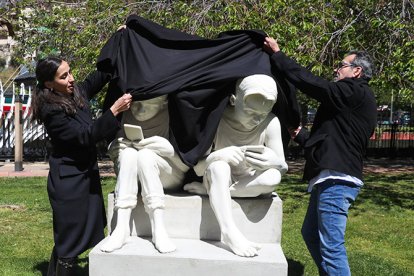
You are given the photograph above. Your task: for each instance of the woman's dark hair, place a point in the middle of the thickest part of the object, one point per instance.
(45, 97)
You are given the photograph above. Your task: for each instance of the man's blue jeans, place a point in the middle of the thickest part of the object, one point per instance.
(325, 222)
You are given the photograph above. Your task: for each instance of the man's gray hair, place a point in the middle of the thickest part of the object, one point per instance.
(363, 60)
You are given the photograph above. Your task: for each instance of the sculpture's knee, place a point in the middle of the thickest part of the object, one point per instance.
(146, 156)
(218, 169)
(268, 181)
(271, 178)
(146, 160)
(217, 173)
(127, 156)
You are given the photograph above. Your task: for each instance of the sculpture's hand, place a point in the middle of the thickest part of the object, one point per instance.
(124, 143)
(157, 144)
(232, 155)
(263, 161)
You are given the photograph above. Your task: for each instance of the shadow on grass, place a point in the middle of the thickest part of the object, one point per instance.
(388, 191)
(384, 190)
(42, 268)
(81, 270)
(292, 184)
(295, 268)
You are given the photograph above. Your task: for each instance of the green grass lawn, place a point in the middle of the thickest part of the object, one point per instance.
(380, 233)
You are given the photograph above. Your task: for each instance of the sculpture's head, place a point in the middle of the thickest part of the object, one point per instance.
(145, 110)
(254, 99)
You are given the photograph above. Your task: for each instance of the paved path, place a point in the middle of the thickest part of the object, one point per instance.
(372, 165)
(381, 165)
(7, 169)
(29, 169)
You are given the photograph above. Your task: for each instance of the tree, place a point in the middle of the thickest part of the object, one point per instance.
(316, 33)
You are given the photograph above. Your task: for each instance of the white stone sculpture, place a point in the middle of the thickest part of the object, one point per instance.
(149, 163)
(246, 159)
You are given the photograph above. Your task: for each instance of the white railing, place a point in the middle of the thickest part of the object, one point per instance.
(31, 130)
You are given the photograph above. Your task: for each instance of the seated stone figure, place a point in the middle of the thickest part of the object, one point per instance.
(246, 159)
(151, 163)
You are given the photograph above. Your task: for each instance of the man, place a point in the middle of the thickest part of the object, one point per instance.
(247, 157)
(334, 150)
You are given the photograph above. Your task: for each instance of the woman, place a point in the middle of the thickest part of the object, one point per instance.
(73, 185)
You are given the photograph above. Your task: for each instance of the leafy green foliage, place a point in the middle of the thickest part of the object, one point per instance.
(316, 33)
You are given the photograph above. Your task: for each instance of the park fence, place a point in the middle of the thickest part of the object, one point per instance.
(34, 138)
(388, 140)
(392, 140)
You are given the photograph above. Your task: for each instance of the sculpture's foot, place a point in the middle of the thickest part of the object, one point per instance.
(115, 241)
(240, 245)
(195, 188)
(162, 241)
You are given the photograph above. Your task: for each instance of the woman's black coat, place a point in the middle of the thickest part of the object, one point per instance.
(74, 186)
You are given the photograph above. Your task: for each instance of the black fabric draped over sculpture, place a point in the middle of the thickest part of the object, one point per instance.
(148, 60)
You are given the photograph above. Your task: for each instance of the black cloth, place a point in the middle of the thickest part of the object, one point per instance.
(148, 60)
(73, 185)
(344, 122)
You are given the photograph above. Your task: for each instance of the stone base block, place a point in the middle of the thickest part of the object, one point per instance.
(191, 217)
(192, 257)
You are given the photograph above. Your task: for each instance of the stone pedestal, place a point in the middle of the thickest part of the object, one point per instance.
(191, 217)
(193, 257)
(191, 224)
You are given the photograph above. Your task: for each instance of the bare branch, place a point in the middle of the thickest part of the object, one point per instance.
(338, 33)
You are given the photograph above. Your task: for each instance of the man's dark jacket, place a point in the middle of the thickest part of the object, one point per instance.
(344, 121)
(198, 74)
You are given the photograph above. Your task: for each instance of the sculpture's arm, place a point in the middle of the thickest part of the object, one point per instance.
(116, 146)
(157, 144)
(232, 155)
(201, 166)
(273, 154)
